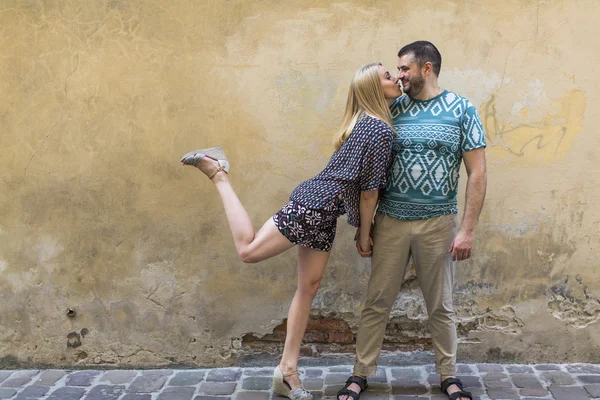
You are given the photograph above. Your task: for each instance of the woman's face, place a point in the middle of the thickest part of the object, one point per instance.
(391, 90)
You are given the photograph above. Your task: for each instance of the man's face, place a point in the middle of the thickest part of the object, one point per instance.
(411, 75)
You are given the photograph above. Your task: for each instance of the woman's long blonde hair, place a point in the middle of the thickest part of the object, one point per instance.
(365, 96)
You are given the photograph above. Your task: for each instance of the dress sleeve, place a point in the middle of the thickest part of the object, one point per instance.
(376, 159)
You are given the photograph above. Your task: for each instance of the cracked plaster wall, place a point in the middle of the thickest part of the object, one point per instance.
(100, 98)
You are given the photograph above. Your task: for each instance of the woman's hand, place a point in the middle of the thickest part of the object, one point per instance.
(364, 246)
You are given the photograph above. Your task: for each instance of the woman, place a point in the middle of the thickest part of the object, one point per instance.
(348, 184)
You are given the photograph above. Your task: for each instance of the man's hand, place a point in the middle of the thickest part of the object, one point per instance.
(364, 247)
(462, 246)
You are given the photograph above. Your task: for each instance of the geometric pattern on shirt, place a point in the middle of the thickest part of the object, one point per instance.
(427, 154)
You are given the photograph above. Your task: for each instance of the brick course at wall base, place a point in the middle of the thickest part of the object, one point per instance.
(334, 335)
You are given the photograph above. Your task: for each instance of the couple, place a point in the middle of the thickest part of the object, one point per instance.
(401, 153)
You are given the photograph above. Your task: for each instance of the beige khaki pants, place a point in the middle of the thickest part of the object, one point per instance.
(395, 241)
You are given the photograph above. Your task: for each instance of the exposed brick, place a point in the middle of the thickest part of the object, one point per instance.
(306, 351)
(277, 336)
(340, 337)
(315, 337)
(327, 324)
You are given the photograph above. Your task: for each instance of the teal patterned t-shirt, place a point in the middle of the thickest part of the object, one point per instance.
(431, 136)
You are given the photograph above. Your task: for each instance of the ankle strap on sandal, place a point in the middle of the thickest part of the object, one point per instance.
(294, 372)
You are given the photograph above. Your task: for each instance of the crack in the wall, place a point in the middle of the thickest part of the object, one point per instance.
(62, 114)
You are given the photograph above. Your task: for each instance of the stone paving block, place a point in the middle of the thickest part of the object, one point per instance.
(118, 377)
(187, 378)
(410, 398)
(332, 390)
(404, 388)
(381, 387)
(217, 388)
(558, 378)
(67, 393)
(257, 383)
(503, 393)
(313, 384)
(33, 393)
(105, 392)
(569, 393)
(313, 372)
(81, 378)
(498, 384)
(368, 395)
(532, 391)
(7, 393)
(593, 390)
(224, 375)
(253, 396)
(147, 383)
(409, 374)
(464, 369)
(547, 367)
(334, 379)
(138, 396)
(583, 369)
(19, 379)
(519, 369)
(490, 368)
(589, 378)
(494, 376)
(49, 377)
(343, 368)
(380, 377)
(526, 381)
(176, 393)
(4, 375)
(213, 398)
(260, 372)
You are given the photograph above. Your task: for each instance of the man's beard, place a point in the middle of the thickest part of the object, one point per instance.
(415, 86)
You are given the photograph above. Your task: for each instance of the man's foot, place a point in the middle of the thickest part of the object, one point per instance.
(354, 386)
(452, 386)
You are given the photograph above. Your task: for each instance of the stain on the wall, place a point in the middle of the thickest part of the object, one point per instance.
(537, 142)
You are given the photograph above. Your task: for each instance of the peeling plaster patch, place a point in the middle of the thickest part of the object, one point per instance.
(534, 97)
(47, 249)
(577, 309)
(3, 265)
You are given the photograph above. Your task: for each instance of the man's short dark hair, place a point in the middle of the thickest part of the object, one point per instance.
(424, 51)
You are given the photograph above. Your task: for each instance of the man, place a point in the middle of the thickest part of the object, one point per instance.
(436, 129)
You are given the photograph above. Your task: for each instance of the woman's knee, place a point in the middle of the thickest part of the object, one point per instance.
(309, 287)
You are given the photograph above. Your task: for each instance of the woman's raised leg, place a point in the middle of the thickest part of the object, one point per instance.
(251, 247)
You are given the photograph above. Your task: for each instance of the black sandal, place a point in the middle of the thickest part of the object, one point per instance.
(454, 381)
(361, 382)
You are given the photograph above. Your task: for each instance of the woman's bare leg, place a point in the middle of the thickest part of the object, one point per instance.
(251, 247)
(311, 264)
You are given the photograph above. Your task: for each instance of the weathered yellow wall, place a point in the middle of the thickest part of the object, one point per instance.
(100, 98)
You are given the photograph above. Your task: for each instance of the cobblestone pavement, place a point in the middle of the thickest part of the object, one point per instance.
(485, 381)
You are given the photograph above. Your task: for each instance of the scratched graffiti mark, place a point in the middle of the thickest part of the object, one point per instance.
(541, 141)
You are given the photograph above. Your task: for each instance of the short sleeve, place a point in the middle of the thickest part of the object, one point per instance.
(472, 136)
(376, 159)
